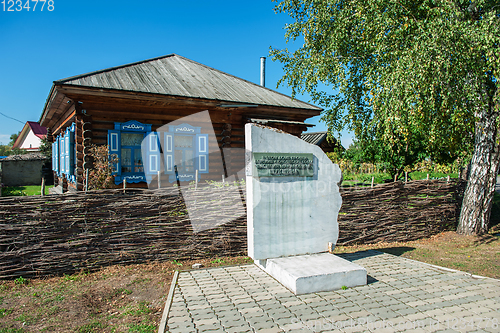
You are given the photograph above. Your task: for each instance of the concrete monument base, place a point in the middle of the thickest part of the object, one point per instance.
(314, 273)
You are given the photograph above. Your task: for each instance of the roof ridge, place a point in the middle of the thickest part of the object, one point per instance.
(109, 69)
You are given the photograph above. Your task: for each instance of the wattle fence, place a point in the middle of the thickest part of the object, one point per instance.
(61, 234)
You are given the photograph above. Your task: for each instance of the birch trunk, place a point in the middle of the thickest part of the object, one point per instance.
(478, 196)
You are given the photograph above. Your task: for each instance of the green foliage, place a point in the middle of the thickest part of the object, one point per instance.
(17, 151)
(407, 77)
(5, 312)
(11, 330)
(8, 150)
(13, 138)
(140, 309)
(142, 328)
(413, 79)
(20, 281)
(5, 150)
(122, 291)
(46, 147)
(94, 326)
(217, 261)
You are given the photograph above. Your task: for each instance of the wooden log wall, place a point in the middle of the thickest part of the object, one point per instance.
(228, 127)
(61, 234)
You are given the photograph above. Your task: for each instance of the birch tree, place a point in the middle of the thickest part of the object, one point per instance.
(426, 68)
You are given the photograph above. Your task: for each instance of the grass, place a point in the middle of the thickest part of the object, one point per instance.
(11, 191)
(365, 179)
(477, 255)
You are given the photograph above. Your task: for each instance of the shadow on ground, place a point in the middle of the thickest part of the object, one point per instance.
(397, 251)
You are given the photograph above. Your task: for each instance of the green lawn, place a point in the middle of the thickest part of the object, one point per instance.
(366, 178)
(9, 191)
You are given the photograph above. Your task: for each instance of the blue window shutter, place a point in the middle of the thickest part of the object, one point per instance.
(151, 154)
(67, 142)
(114, 143)
(168, 153)
(72, 153)
(56, 153)
(53, 156)
(62, 163)
(202, 153)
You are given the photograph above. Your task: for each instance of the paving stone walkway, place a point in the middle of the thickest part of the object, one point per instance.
(401, 296)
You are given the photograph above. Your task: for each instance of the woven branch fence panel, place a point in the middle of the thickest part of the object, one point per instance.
(62, 234)
(397, 212)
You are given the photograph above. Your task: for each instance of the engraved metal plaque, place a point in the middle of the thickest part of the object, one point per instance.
(284, 164)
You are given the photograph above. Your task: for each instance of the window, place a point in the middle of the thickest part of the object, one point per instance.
(138, 151)
(131, 153)
(184, 153)
(185, 150)
(125, 145)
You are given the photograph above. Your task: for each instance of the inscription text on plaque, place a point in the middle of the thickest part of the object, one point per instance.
(284, 164)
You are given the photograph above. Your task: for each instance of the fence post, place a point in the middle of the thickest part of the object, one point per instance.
(427, 176)
(373, 178)
(196, 180)
(42, 188)
(86, 180)
(406, 177)
(124, 185)
(159, 179)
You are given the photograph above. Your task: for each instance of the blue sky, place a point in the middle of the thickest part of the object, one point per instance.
(39, 47)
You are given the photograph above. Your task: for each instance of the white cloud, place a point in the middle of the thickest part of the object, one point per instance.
(4, 139)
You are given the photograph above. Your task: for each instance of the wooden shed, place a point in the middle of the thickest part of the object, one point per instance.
(121, 106)
(320, 139)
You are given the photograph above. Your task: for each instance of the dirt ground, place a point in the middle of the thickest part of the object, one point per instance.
(131, 298)
(114, 299)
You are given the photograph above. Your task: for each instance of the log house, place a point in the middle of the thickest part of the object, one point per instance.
(118, 105)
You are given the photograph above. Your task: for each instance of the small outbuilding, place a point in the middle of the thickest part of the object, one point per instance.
(121, 106)
(22, 170)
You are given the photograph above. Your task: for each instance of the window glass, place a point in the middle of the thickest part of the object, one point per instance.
(138, 166)
(126, 160)
(132, 139)
(183, 141)
(189, 160)
(178, 159)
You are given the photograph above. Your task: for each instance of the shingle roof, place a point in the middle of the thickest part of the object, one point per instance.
(38, 130)
(178, 76)
(314, 138)
(25, 157)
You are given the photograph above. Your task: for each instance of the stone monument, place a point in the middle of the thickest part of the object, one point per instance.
(293, 201)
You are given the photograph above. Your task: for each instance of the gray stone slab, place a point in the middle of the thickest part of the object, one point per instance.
(291, 215)
(315, 273)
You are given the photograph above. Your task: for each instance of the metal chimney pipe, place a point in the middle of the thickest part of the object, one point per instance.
(263, 71)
